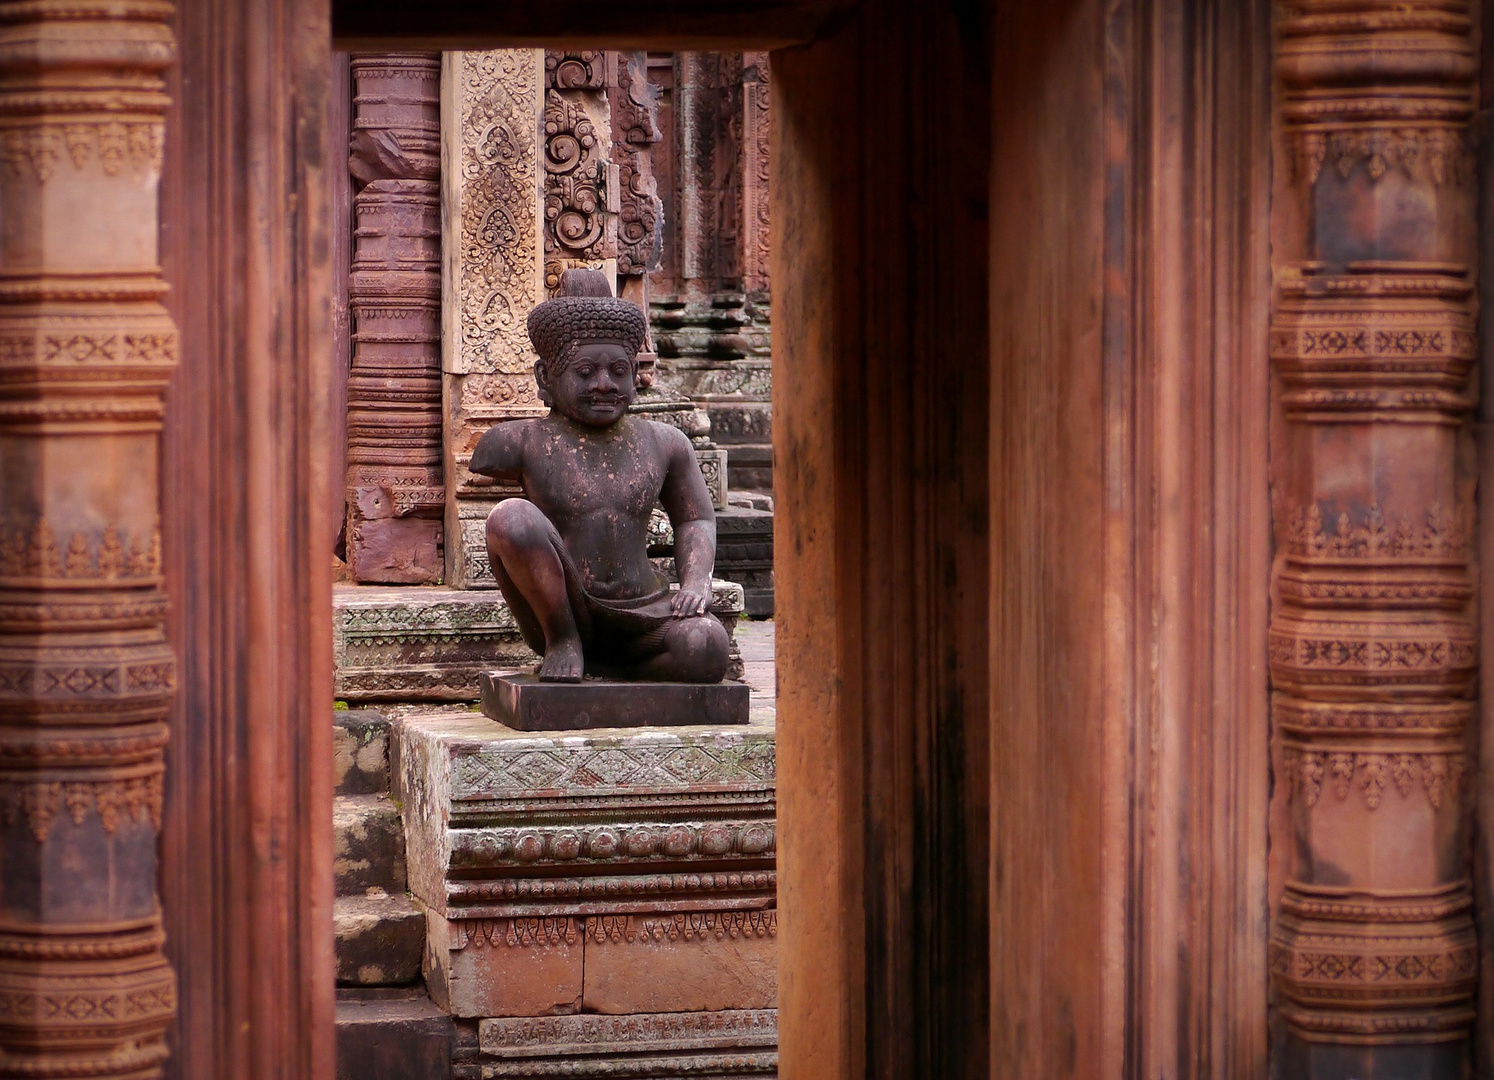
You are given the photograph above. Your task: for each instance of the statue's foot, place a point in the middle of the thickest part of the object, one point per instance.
(563, 662)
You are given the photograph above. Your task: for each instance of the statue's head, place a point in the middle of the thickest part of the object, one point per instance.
(588, 342)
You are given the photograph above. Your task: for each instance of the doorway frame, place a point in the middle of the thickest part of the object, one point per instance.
(1022, 676)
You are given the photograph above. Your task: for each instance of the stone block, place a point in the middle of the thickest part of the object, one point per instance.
(703, 960)
(685, 1044)
(504, 823)
(504, 967)
(360, 751)
(368, 845)
(383, 1037)
(419, 643)
(523, 702)
(380, 939)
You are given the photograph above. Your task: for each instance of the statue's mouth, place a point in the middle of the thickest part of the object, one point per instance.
(605, 402)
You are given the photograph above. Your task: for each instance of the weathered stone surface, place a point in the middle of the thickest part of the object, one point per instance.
(504, 967)
(360, 751)
(384, 1037)
(380, 939)
(717, 1044)
(501, 822)
(706, 960)
(420, 644)
(369, 845)
(523, 702)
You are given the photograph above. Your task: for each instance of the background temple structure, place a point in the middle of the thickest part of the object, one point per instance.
(476, 180)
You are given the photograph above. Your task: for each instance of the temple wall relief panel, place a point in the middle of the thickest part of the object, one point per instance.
(495, 169)
(86, 675)
(1372, 646)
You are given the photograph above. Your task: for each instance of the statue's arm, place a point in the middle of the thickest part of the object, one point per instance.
(687, 501)
(500, 452)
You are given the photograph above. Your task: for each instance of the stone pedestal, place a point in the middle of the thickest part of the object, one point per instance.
(624, 871)
(522, 702)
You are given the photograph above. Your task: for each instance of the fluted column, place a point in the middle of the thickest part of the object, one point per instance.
(86, 350)
(1373, 649)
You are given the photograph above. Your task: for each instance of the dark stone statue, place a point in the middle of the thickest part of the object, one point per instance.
(572, 556)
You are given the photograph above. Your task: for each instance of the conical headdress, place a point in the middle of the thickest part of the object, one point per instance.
(584, 312)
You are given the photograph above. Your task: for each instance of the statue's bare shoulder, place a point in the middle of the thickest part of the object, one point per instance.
(500, 452)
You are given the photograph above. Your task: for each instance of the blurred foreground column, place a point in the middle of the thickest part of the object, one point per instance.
(1373, 651)
(86, 350)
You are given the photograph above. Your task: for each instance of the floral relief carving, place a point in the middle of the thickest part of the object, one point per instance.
(36, 553)
(1442, 534)
(1438, 775)
(114, 799)
(498, 280)
(114, 144)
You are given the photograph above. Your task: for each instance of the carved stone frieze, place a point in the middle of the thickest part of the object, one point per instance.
(579, 1036)
(86, 675)
(1373, 647)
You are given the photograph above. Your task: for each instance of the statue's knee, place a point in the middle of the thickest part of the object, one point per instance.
(702, 647)
(517, 523)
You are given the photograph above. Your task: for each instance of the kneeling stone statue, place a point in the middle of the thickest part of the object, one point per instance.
(571, 556)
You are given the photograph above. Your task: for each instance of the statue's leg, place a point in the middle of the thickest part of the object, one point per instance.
(523, 548)
(694, 649)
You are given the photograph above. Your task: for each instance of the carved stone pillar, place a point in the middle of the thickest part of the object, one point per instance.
(395, 495)
(86, 350)
(492, 109)
(1373, 650)
(711, 302)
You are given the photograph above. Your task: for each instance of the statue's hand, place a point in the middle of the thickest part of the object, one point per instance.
(690, 601)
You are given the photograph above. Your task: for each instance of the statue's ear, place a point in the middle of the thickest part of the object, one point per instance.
(542, 382)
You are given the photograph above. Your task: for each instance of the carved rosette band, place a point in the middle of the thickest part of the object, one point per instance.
(1373, 649)
(396, 493)
(86, 675)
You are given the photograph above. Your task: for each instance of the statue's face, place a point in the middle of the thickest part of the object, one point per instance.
(596, 387)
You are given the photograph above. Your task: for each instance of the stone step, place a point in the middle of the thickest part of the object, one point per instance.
(420, 643)
(392, 1035)
(369, 845)
(360, 751)
(379, 939)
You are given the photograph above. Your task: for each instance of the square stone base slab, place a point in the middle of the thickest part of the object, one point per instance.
(524, 703)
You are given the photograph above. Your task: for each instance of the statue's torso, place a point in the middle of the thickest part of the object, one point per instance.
(599, 489)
